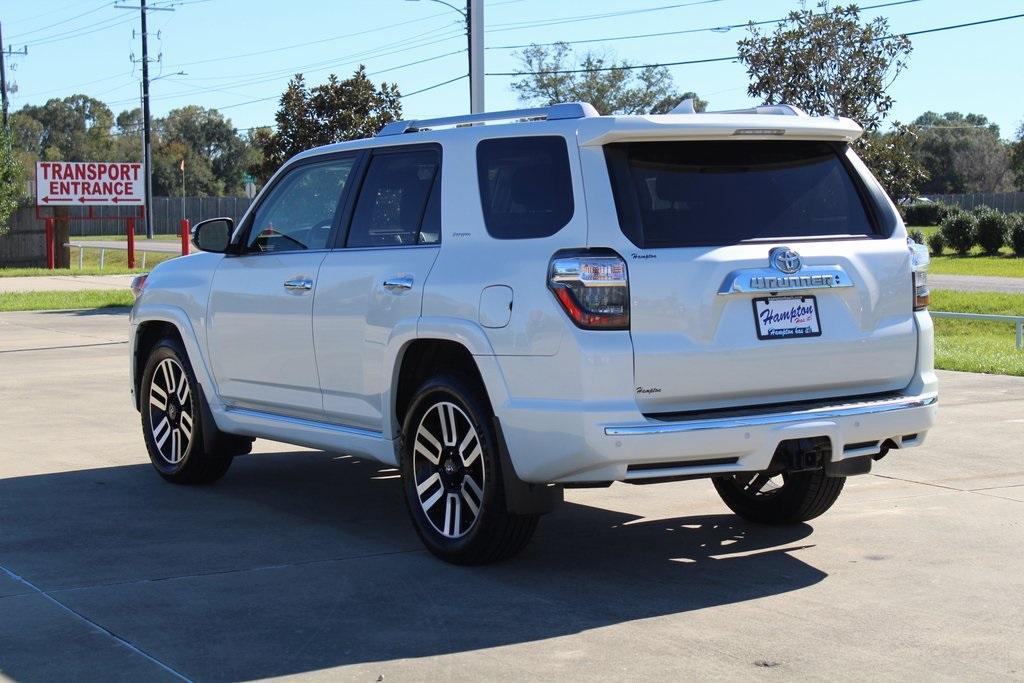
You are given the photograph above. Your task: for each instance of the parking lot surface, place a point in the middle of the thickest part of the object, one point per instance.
(302, 563)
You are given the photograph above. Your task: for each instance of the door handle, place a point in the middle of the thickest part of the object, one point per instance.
(398, 284)
(300, 284)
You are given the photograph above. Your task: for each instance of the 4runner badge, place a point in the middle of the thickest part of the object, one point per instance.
(784, 259)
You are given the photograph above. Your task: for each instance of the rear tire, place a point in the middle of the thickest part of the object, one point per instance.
(802, 495)
(451, 475)
(174, 418)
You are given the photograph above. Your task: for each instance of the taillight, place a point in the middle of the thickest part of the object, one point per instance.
(593, 289)
(919, 275)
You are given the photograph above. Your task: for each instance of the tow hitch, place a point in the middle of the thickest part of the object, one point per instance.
(802, 455)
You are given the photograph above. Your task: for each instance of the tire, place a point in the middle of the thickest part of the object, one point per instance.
(786, 498)
(175, 418)
(451, 475)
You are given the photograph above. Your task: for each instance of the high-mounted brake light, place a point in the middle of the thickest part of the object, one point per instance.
(592, 289)
(919, 260)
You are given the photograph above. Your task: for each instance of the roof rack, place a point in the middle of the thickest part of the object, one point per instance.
(556, 112)
(686, 107)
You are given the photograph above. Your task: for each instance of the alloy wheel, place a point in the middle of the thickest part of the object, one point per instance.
(171, 410)
(448, 468)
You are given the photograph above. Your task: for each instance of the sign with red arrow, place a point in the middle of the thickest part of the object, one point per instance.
(81, 183)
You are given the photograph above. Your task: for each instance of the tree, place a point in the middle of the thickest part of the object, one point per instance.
(75, 128)
(332, 112)
(1017, 158)
(829, 62)
(215, 155)
(11, 183)
(613, 88)
(961, 153)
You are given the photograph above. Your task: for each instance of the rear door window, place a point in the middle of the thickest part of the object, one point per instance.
(395, 200)
(680, 194)
(525, 186)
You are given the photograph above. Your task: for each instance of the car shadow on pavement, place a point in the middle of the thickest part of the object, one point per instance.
(88, 312)
(302, 561)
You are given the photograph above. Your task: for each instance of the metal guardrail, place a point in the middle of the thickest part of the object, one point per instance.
(82, 246)
(1017, 320)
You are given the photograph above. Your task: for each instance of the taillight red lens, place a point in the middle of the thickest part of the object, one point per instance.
(592, 289)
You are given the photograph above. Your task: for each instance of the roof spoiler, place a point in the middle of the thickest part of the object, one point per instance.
(686, 107)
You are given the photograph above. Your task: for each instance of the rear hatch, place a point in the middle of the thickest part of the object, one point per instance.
(763, 273)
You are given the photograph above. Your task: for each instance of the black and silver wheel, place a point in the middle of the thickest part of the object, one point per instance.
(172, 418)
(452, 477)
(171, 410)
(779, 497)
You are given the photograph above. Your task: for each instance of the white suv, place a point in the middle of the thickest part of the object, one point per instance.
(509, 304)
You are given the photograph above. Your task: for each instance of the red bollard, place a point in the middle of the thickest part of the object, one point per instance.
(131, 242)
(184, 236)
(49, 244)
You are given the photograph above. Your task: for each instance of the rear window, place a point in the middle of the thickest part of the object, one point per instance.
(680, 194)
(525, 186)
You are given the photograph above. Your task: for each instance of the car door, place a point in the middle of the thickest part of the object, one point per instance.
(372, 286)
(261, 302)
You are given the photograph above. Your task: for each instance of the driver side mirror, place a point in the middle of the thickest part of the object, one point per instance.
(213, 235)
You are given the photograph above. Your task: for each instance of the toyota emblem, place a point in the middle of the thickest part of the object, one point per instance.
(784, 259)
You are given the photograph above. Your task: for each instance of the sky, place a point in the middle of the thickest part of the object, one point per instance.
(237, 55)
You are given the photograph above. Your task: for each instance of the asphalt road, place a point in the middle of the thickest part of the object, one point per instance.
(303, 563)
(977, 283)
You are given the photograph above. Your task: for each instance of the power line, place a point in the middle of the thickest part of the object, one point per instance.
(44, 28)
(519, 25)
(734, 57)
(431, 87)
(721, 28)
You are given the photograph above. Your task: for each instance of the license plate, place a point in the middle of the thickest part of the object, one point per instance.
(787, 317)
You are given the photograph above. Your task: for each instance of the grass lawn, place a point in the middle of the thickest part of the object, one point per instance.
(52, 301)
(115, 263)
(977, 346)
(1004, 265)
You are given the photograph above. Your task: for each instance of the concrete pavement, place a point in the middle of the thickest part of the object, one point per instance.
(141, 244)
(63, 283)
(977, 283)
(303, 563)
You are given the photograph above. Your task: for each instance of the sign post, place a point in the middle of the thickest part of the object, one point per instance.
(61, 184)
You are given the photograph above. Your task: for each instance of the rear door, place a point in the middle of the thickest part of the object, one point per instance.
(371, 288)
(760, 271)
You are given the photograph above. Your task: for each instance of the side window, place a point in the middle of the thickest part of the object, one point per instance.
(299, 212)
(525, 186)
(393, 201)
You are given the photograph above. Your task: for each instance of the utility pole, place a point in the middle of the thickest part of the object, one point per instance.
(4, 52)
(475, 31)
(147, 150)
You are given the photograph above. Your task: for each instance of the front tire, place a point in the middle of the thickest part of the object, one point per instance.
(784, 498)
(452, 479)
(172, 407)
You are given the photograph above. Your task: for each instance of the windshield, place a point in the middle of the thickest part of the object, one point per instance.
(677, 194)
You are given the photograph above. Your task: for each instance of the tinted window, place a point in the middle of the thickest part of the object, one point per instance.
(393, 200)
(299, 212)
(525, 186)
(674, 194)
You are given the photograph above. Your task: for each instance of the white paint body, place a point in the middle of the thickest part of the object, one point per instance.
(319, 368)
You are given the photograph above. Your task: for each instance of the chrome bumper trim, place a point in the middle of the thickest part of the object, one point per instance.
(822, 413)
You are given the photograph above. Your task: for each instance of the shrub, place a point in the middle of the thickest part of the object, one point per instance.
(945, 211)
(916, 235)
(936, 243)
(922, 213)
(990, 232)
(1015, 234)
(958, 231)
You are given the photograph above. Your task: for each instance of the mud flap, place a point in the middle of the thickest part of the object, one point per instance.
(523, 498)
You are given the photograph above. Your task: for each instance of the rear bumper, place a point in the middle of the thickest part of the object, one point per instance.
(595, 449)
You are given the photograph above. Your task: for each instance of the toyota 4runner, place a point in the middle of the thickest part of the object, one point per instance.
(505, 305)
